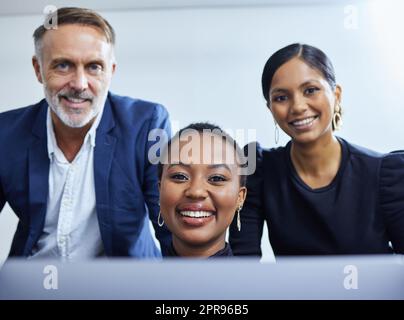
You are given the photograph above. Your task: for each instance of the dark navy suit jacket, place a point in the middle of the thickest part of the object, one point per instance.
(125, 181)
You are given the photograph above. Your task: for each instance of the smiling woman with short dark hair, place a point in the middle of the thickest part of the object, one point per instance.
(201, 190)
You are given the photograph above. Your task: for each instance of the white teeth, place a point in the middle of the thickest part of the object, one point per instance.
(303, 122)
(76, 100)
(196, 214)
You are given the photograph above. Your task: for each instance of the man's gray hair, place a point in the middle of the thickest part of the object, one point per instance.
(73, 15)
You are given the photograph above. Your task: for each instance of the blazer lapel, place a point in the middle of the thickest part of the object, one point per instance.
(103, 156)
(38, 173)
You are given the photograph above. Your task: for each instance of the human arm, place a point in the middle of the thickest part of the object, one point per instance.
(392, 198)
(160, 121)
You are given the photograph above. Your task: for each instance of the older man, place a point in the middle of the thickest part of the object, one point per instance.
(74, 167)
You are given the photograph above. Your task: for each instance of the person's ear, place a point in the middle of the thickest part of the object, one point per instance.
(113, 67)
(338, 94)
(242, 194)
(37, 68)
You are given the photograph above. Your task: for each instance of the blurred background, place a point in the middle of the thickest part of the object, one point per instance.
(203, 60)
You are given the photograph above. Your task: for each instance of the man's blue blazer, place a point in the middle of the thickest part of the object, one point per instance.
(126, 184)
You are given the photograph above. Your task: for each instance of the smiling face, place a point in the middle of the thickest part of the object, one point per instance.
(302, 101)
(75, 68)
(198, 199)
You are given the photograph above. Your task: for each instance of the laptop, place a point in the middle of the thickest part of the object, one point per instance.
(325, 277)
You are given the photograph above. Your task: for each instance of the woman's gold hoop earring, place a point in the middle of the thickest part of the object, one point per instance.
(336, 117)
(158, 220)
(336, 121)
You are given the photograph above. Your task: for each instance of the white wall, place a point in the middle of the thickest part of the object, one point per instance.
(206, 64)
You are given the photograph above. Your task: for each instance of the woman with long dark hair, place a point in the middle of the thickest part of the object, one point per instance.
(319, 194)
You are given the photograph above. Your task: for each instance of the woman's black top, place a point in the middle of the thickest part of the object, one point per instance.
(360, 212)
(225, 252)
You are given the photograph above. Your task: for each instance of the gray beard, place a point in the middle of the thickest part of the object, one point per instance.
(56, 107)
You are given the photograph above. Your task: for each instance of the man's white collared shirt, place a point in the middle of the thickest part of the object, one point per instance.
(71, 229)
